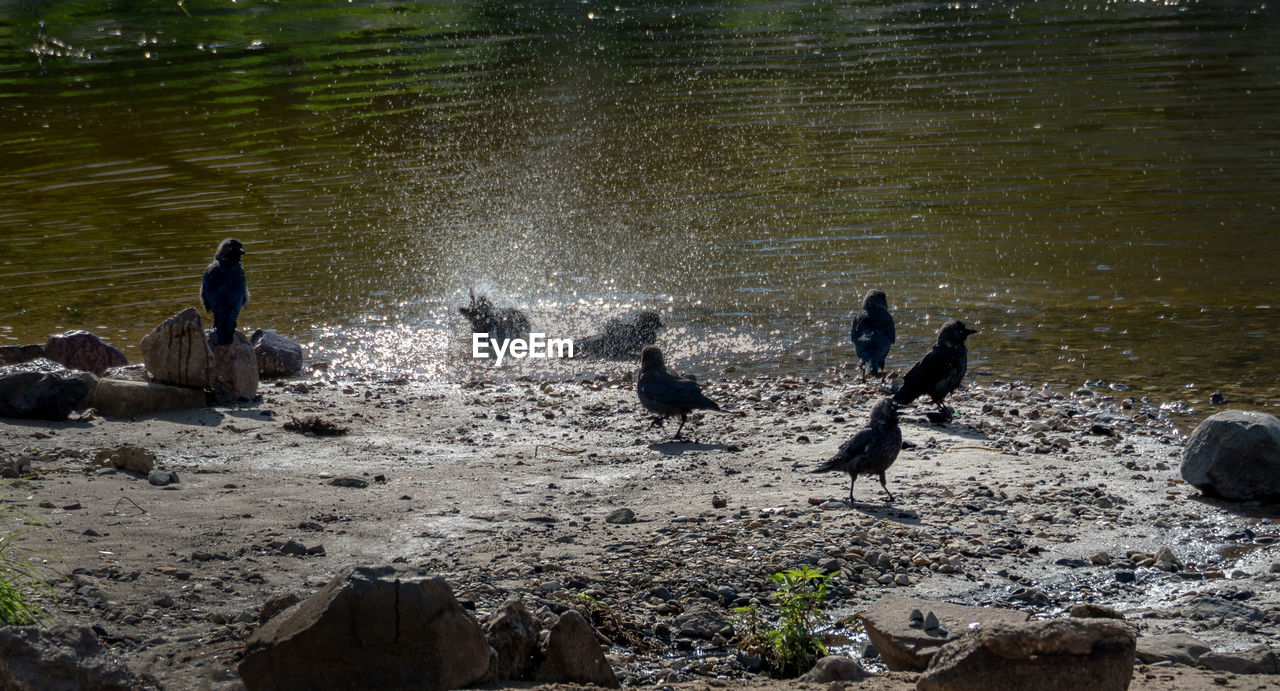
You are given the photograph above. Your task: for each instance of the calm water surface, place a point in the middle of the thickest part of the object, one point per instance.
(1093, 184)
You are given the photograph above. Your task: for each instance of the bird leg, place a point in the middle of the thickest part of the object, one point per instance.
(852, 479)
(886, 488)
(682, 419)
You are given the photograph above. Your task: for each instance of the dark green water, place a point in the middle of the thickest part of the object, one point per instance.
(1094, 185)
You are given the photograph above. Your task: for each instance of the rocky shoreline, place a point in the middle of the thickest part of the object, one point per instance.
(554, 489)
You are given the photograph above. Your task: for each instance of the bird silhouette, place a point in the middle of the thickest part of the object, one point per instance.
(872, 331)
(940, 371)
(502, 324)
(872, 450)
(223, 290)
(622, 338)
(667, 394)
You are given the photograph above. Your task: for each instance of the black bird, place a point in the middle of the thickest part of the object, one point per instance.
(872, 331)
(939, 372)
(872, 450)
(667, 394)
(224, 291)
(502, 324)
(622, 338)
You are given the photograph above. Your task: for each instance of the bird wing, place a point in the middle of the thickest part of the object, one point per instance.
(931, 369)
(849, 450)
(674, 391)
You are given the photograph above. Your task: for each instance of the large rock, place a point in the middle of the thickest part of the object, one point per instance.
(18, 354)
(124, 398)
(835, 668)
(234, 376)
(1235, 455)
(1180, 648)
(370, 628)
(277, 356)
(573, 656)
(905, 647)
(177, 353)
(1257, 660)
(1057, 655)
(61, 658)
(84, 351)
(513, 635)
(127, 457)
(43, 389)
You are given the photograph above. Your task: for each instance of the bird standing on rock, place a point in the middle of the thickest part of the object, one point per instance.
(667, 394)
(872, 331)
(622, 338)
(223, 291)
(940, 371)
(872, 450)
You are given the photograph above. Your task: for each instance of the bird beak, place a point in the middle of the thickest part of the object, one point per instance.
(970, 332)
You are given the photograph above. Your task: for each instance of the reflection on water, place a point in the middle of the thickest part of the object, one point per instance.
(1093, 186)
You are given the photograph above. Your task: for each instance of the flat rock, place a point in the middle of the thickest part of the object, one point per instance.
(1235, 455)
(904, 647)
(370, 628)
(572, 655)
(1179, 648)
(125, 398)
(43, 390)
(1218, 609)
(701, 621)
(1256, 660)
(59, 658)
(1056, 655)
(85, 351)
(134, 459)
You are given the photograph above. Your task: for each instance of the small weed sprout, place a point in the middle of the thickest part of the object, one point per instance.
(792, 647)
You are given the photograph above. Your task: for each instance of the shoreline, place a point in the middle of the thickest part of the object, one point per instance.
(503, 487)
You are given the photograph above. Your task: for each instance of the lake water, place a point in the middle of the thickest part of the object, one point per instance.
(1093, 185)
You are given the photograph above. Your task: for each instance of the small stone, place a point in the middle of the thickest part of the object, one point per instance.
(355, 482)
(621, 516)
(293, 548)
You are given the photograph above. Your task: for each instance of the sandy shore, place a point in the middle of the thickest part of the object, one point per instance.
(504, 488)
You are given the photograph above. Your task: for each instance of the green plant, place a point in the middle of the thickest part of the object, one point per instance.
(793, 646)
(19, 578)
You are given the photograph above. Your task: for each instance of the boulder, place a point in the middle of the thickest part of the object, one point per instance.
(277, 604)
(125, 398)
(234, 375)
(131, 458)
(1056, 655)
(84, 351)
(1179, 648)
(18, 354)
(513, 635)
(60, 658)
(1235, 455)
(905, 647)
(835, 668)
(177, 353)
(370, 628)
(1257, 660)
(277, 356)
(43, 389)
(572, 655)
(1088, 610)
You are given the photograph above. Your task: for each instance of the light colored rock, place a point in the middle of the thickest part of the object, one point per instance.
(1172, 647)
(1235, 455)
(234, 375)
(573, 656)
(1056, 655)
(277, 356)
(513, 635)
(59, 658)
(370, 628)
(903, 647)
(43, 389)
(124, 398)
(1256, 660)
(127, 457)
(835, 668)
(83, 350)
(176, 352)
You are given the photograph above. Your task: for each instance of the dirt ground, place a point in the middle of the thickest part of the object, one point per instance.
(504, 487)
